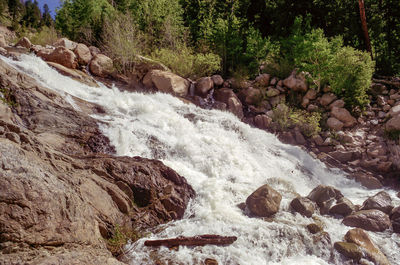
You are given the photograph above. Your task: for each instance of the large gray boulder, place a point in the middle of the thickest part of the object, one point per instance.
(166, 82)
(101, 65)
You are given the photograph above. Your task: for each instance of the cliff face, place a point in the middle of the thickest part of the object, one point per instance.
(62, 192)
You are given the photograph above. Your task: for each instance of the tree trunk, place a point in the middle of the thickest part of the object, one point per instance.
(363, 18)
(192, 241)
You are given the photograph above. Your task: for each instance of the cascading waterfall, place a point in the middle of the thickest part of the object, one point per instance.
(224, 160)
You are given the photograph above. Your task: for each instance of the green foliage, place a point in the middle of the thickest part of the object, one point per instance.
(122, 235)
(7, 97)
(351, 74)
(45, 36)
(308, 123)
(184, 62)
(123, 41)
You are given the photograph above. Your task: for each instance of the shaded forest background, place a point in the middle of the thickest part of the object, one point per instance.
(232, 37)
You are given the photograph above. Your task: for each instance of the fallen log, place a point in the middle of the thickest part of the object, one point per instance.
(200, 240)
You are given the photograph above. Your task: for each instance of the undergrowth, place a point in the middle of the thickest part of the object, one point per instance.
(122, 236)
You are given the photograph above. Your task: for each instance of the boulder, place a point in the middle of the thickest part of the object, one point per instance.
(323, 193)
(344, 116)
(263, 79)
(101, 65)
(370, 220)
(327, 99)
(395, 218)
(315, 228)
(311, 94)
(380, 201)
(343, 207)
(368, 181)
(62, 56)
(349, 250)
(262, 121)
(342, 156)
(217, 80)
(83, 54)
(303, 205)
(393, 125)
(296, 82)
(3, 42)
(337, 103)
(394, 111)
(75, 74)
(66, 43)
(94, 50)
(250, 96)
(24, 42)
(228, 97)
(203, 86)
(334, 124)
(370, 250)
(264, 202)
(272, 92)
(377, 89)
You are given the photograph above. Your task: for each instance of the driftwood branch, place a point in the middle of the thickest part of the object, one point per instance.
(387, 82)
(192, 241)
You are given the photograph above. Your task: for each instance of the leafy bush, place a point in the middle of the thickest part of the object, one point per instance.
(308, 123)
(46, 36)
(123, 41)
(351, 73)
(121, 236)
(184, 62)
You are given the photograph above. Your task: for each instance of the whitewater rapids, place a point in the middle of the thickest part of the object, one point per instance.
(224, 160)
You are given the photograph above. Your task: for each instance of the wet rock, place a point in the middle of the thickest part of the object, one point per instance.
(314, 228)
(228, 97)
(83, 54)
(217, 80)
(264, 202)
(103, 66)
(303, 205)
(395, 218)
(13, 137)
(296, 82)
(24, 42)
(203, 86)
(370, 250)
(368, 181)
(75, 74)
(334, 124)
(349, 250)
(62, 56)
(370, 220)
(380, 201)
(66, 43)
(343, 207)
(298, 136)
(327, 99)
(344, 116)
(323, 193)
(209, 261)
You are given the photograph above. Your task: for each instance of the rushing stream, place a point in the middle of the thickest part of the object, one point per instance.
(224, 160)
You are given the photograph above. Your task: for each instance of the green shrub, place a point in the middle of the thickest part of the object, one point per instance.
(184, 62)
(121, 236)
(46, 36)
(308, 123)
(351, 74)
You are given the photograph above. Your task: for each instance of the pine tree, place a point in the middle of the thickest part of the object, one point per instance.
(47, 20)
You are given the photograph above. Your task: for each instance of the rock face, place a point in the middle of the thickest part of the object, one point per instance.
(264, 202)
(233, 103)
(370, 220)
(73, 73)
(101, 65)
(3, 42)
(349, 250)
(370, 251)
(83, 54)
(395, 218)
(296, 83)
(203, 86)
(380, 201)
(304, 206)
(166, 82)
(61, 190)
(62, 56)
